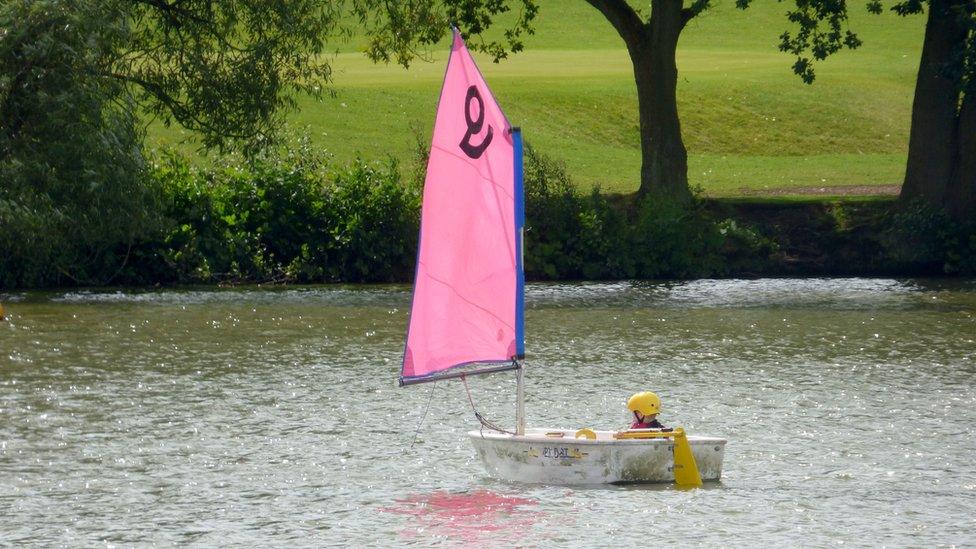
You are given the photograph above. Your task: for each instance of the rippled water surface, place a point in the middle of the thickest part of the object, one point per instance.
(271, 417)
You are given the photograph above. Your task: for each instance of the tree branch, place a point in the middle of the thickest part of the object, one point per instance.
(621, 16)
(692, 11)
(182, 114)
(173, 11)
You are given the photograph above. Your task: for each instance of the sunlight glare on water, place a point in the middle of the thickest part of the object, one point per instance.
(271, 416)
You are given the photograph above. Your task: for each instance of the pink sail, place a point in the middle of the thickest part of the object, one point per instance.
(467, 292)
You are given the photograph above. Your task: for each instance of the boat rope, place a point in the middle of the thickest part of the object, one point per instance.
(485, 422)
(423, 417)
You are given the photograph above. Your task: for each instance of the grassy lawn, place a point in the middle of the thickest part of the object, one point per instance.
(749, 124)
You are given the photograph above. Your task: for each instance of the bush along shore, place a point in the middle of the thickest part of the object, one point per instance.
(297, 218)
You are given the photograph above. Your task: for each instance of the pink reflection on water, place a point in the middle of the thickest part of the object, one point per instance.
(470, 517)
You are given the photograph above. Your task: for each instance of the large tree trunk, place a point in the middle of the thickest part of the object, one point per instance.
(652, 47)
(934, 139)
(962, 186)
(664, 159)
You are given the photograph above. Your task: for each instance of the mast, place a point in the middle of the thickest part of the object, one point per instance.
(519, 400)
(520, 285)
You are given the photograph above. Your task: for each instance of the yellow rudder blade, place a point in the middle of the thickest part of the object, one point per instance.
(685, 468)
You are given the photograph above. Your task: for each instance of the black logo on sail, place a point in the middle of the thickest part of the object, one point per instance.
(474, 126)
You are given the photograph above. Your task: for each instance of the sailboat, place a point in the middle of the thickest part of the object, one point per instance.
(467, 315)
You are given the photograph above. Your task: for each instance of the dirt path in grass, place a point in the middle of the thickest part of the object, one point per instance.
(837, 190)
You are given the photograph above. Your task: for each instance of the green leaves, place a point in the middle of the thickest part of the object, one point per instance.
(70, 162)
(289, 218)
(822, 31)
(907, 7)
(76, 76)
(398, 31)
(228, 70)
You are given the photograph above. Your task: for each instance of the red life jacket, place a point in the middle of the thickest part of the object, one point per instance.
(653, 424)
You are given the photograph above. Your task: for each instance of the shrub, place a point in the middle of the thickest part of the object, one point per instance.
(676, 239)
(568, 235)
(286, 218)
(921, 238)
(376, 223)
(571, 236)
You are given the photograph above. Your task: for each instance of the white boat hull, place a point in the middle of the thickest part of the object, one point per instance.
(543, 456)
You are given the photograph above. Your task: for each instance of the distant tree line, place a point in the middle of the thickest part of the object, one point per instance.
(295, 216)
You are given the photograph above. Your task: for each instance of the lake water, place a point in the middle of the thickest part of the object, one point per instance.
(257, 417)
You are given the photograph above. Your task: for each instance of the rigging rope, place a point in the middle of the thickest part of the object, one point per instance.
(423, 417)
(485, 422)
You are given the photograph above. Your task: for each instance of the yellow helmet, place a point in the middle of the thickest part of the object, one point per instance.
(647, 403)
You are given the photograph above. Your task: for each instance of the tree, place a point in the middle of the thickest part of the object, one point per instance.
(652, 46)
(226, 69)
(651, 41)
(941, 167)
(78, 81)
(71, 191)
